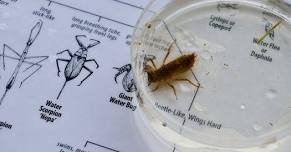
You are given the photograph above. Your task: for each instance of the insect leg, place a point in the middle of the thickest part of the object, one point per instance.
(187, 80)
(168, 53)
(39, 67)
(157, 87)
(68, 51)
(153, 63)
(17, 59)
(125, 68)
(173, 89)
(57, 61)
(93, 60)
(95, 42)
(37, 63)
(117, 74)
(90, 73)
(3, 53)
(31, 65)
(78, 40)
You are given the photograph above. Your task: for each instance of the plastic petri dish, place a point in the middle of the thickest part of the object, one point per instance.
(214, 74)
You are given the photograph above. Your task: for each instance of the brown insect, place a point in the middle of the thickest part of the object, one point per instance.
(169, 72)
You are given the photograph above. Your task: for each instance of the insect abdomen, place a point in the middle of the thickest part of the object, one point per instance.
(172, 69)
(74, 67)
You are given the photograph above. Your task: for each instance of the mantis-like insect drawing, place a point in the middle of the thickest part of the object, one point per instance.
(23, 59)
(77, 62)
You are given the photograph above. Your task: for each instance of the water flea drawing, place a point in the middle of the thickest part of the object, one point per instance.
(23, 59)
(269, 30)
(127, 81)
(268, 27)
(77, 62)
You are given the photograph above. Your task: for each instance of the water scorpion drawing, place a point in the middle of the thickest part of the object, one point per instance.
(169, 72)
(23, 59)
(77, 62)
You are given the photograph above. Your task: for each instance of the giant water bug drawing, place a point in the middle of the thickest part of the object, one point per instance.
(127, 81)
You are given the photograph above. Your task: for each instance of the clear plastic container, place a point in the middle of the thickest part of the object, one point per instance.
(224, 84)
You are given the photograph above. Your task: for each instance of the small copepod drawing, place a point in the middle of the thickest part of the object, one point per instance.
(77, 62)
(23, 59)
(169, 72)
(127, 81)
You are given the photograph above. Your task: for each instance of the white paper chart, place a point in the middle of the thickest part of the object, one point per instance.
(65, 77)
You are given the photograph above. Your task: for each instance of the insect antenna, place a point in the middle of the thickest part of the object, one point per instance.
(62, 89)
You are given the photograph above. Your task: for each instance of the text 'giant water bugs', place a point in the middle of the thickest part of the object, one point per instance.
(169, 72)
(77, 62)
(23, 59)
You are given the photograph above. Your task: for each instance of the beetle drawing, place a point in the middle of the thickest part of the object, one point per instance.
(127, 81)
(23, 59)
(77, 62)
(169, 72)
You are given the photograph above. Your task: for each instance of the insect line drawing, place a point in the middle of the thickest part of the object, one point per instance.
(169, 72)
(227, 5)
(268, 26)
(269, 31)
(77, 62)
(127, 81)
(23, 59)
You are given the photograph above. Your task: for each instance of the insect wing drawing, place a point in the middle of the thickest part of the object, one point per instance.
(127, 81)
(23, 59)
(77, 61)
